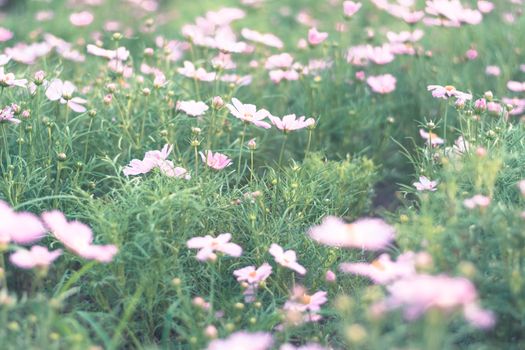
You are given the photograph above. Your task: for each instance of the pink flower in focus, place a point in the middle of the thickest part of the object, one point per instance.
(20, 228)
(63, 92)
(445, 92)
(77, 237)
(290, 122)
(431, 138)
(249, 113)
(207, 245)
(478, 201)
(383, 270)
(252, 275)
(243, 341)
(425, 184)
(382, 84)
(9, 80)
(315, 37)
(37, 256)
(350, 8)
(81, 19)
(365, 233)
(192, 108)
(156, 159)
(217, 161)
(286, 258)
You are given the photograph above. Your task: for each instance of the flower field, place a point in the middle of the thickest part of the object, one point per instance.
(262, 174)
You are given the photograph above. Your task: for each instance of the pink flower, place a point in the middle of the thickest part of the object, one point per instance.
(425, 184)
(9, 80)
(302, 302)
(38, 257)
(315, 37)
(431, 138)
(81, 19)
(478, 200)
(77, 237)
(383, 270)
(207, 245)
(217, 161)
(286, 258)
(156, 159)
(330, 276)
(63, 92)
(198, 74)
(478, 317)
(20, 228)
(382, 84)
(192, 108)
(249, 113)
(516, 86)
(252, 275)
(350, 8)
(266, 39)
(493, 70)
(471, 54)
(7, 114)
(480, 104)
(5, 34)
(365, 233)
(485, 6)
(445, 92)
(243, 341)
(290, 122)
(419, 293)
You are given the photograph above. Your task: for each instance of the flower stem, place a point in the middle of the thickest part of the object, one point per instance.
(282, 148)
(240, 149)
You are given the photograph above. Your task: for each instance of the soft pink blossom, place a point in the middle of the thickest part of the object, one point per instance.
(303, 302)
(330, 276)
(485, 6)
(242, 340)
(471, 54)
(249, 113)
(365, 233)
(81, 19)
(516, 86)
(252, 275)
(5, 34)
(207, 245)
(315, 37)
(266, 39)
(291, 122)
(63, 92)
(9, 80)
(156, 159)
(192, 107)
(425, 184)
(493, 70)
(478, 200)
(382, 84)
(190, 71)
(383, 270)
(431, 138)
(445, 92)
(350, 8)
(77, 237)
(286, 258)
(37, 256)
(7, 114)
(19, 227)
(217, 161)
(521, 186)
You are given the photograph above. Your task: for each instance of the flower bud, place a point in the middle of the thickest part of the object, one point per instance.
(217, 102)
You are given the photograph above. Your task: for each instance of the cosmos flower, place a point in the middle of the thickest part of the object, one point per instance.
(315, 37)
(478, 201)
(9, 80)
(192, 108)
(156, 159)
(7, 114)
(286, 258)
(81, 19)
(217, 161)
(383, 270)
(252, 275)
(249, 113)
(39, 257)
(63, 92)
(291, 122)
(77, 237)
(431, 138)
(350, 8)
(382, 84)
(365, 233)
(207, 245)
(445, 92)
(242, 340)
(425, 184)
(19, 227)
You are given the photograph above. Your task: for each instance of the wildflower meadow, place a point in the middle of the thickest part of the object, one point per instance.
(262, 174)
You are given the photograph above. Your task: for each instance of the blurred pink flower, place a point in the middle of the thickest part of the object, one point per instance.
(471, 54)
(63, 92)
(383, 270)
(7, 114)
(291, 122)
(365, 233)
(192, 108)
(302, 302)
(77, 237)
(477, 201)
(493, 70)
(350, 8)
(217, 161)
(330, 276)
(521, 186)
(5, 34)
(382, 84)
(485, 6)
(315, 37)
(81, 19)
(249, 113)
(9, 80)
(516, 86)
(431, 138)
(190, 71)
(207, 245)
(425, 184)
(286, 258)
(37, 256)
(266, 39)
(20, 228)
(242, 340)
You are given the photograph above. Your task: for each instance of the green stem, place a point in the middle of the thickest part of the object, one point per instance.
(282, 148)
(240, 149)
(251, 165)
(196, 160)
(76, 276)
